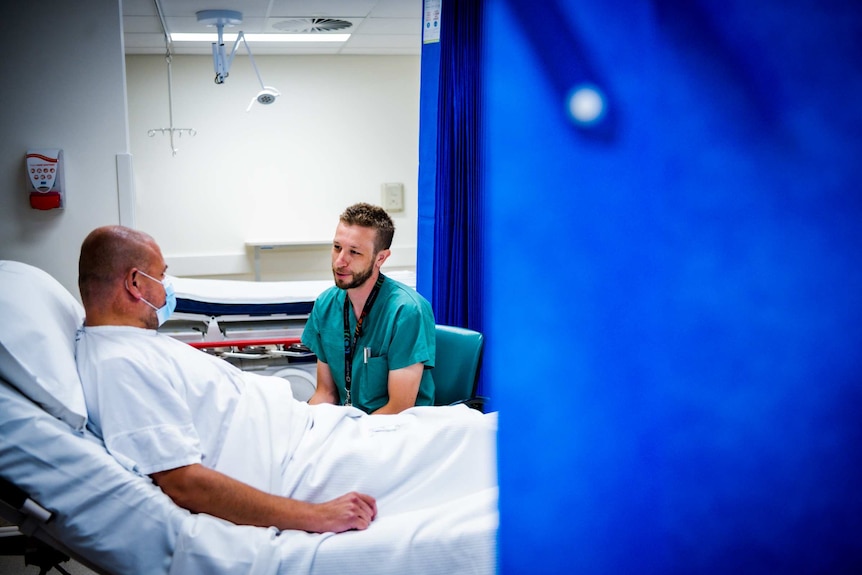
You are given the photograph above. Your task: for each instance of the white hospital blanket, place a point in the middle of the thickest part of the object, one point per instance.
(418, 459)
(458, 538)
(125, 524)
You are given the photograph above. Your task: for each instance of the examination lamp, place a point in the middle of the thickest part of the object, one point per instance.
(222, 63)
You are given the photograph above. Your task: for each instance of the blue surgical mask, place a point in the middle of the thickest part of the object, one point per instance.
(164, 312)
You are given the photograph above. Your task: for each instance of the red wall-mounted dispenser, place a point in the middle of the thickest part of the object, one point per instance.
(45, 180)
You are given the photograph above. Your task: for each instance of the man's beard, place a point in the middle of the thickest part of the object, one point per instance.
(358, 278)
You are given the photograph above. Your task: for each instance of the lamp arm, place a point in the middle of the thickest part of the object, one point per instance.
(233, 50)
(222, 65)
(241, 36)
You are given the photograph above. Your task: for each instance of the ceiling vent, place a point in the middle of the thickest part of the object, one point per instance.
(311, 25)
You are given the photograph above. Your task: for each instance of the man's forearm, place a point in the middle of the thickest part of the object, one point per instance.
(203, 490)
(403, 387)
(324, 391)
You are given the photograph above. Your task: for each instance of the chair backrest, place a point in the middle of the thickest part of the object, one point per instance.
(457, 363)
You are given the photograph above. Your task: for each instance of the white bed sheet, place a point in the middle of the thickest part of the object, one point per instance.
(224, 291)
(458, 538)
(248, 292)
(125, 524)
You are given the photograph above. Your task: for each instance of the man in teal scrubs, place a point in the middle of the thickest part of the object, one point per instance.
(373, 336)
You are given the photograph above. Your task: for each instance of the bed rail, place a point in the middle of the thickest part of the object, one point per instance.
(243, 343)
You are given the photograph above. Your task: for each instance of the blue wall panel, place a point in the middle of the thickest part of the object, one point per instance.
(680, 286)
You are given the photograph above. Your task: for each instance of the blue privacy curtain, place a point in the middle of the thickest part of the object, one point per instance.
(679, 285)
(451, 219)
(427, 185)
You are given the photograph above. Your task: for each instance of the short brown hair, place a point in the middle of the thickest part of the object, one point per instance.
(371, 216)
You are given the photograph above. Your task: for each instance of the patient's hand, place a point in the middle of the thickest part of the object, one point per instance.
(203, 490)
(350, 511)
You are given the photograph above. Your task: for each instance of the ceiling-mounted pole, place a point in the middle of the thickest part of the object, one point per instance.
(168, 57)
(164, 27)
(220, 19)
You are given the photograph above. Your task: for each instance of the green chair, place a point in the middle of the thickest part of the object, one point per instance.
(456, 369)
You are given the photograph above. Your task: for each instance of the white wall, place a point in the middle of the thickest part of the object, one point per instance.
(343, 126)
(63, 86)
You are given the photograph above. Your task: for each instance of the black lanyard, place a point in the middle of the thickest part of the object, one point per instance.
(350, 346)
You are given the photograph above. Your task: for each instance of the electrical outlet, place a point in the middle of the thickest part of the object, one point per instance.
(393, 197)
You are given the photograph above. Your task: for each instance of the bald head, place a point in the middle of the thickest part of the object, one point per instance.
(107, 254)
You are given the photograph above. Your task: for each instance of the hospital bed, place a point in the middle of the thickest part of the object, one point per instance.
(254, 325)
(117, 522)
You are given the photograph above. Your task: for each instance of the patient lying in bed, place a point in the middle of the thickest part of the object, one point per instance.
(120, 522)
(237, 445)
(160, 405)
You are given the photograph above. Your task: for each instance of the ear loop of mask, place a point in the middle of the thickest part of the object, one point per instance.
(164, 312)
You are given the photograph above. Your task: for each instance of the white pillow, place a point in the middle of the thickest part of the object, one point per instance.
(37, 340)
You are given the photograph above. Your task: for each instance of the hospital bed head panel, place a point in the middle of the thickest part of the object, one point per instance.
(37, 340)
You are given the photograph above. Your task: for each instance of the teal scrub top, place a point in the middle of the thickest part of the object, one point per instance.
(399, 330)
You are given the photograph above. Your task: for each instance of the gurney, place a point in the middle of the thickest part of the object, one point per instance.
(118, 522)
(254, 325)
(210, 310)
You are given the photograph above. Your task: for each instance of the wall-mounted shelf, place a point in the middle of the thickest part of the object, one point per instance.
(259, 245)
